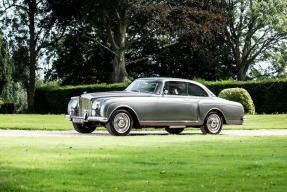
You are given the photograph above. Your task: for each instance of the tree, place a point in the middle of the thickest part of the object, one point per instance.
(190, 57)
(253, 27)
(6, 65)
(278, 60)
(77, 59)
(29, 24)
(126, 22)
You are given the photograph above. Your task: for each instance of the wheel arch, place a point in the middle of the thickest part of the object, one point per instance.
(132, 113)
(219, 112)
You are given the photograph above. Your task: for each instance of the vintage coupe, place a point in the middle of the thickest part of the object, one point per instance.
(154, 102)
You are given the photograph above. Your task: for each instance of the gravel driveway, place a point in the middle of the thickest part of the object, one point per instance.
(72, 133)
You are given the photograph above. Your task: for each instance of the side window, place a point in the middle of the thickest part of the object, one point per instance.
(175, 88)
(195, 90)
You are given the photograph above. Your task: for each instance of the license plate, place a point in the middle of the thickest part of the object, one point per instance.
(77, 120)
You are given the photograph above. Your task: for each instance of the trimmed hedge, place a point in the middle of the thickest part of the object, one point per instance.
(269, 96)
(239, 95)
(7, 107)
(56, 99)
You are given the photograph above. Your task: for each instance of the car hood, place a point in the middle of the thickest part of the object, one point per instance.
(115, 94)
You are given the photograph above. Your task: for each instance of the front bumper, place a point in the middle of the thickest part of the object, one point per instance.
(78, 119)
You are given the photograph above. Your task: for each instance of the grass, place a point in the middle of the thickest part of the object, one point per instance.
(135, 163)
(58, 122)
(34, 122)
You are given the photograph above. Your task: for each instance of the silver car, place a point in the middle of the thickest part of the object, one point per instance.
(154, 102)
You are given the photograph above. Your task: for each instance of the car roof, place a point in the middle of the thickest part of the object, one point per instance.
(167, 79)
(163, 79)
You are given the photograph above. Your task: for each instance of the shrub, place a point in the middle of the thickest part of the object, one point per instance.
(7, 107)
(239, 95)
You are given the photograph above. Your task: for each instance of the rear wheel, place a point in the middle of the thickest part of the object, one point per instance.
(213, 123)
(83, 128)
(120, 123)
(174, 130)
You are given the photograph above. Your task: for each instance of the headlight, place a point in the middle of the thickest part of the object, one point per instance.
(72, 105)
(96, 105)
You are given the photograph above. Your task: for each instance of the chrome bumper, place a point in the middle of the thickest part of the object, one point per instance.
(78, 119)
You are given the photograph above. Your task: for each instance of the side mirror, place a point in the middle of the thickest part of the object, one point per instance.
(165, 92)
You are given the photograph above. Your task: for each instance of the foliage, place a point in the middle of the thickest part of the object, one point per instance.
(30, 28)
(268, 95)
(191, 56)
(254, 27)
(7, 107)
(210, 163)
(6, 65)
(134, 31)
(239, 95)
(16, 92)
(55, 99)
(278, 58)
(42, 83)
(79, 59)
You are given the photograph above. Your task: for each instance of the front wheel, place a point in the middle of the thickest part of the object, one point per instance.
(174, 130)
(83, 128)
(213, 123)
(120, 123)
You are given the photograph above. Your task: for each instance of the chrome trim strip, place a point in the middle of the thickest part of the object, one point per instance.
(80, 119)
(169, 123)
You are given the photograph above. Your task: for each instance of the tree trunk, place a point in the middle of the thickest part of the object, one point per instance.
(119, 73)
(32, 61)
(242, 70)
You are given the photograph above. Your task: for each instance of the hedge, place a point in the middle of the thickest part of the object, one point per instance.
(7, 107)
(55, 99)
(269, 96)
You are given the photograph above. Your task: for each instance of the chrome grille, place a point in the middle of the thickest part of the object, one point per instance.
(84, 106)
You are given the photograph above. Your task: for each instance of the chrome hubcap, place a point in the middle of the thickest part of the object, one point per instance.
(213, 123)
(122, 122)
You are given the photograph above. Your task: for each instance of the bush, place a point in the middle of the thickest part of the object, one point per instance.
(7, 107)
(239, 95)
(269, 96)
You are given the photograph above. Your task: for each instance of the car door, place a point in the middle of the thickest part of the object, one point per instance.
(175, 104)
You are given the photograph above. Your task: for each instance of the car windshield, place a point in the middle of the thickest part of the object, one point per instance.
(146, 86)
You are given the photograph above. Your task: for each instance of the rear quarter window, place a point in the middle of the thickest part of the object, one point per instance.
(195, 90)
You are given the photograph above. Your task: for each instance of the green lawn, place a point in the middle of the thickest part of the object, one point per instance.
(135, 163)
(58, 122)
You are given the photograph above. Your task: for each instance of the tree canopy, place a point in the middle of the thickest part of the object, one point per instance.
(139, 34)
(253, 28)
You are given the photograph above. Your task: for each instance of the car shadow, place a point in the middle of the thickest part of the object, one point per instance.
(158, 133)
